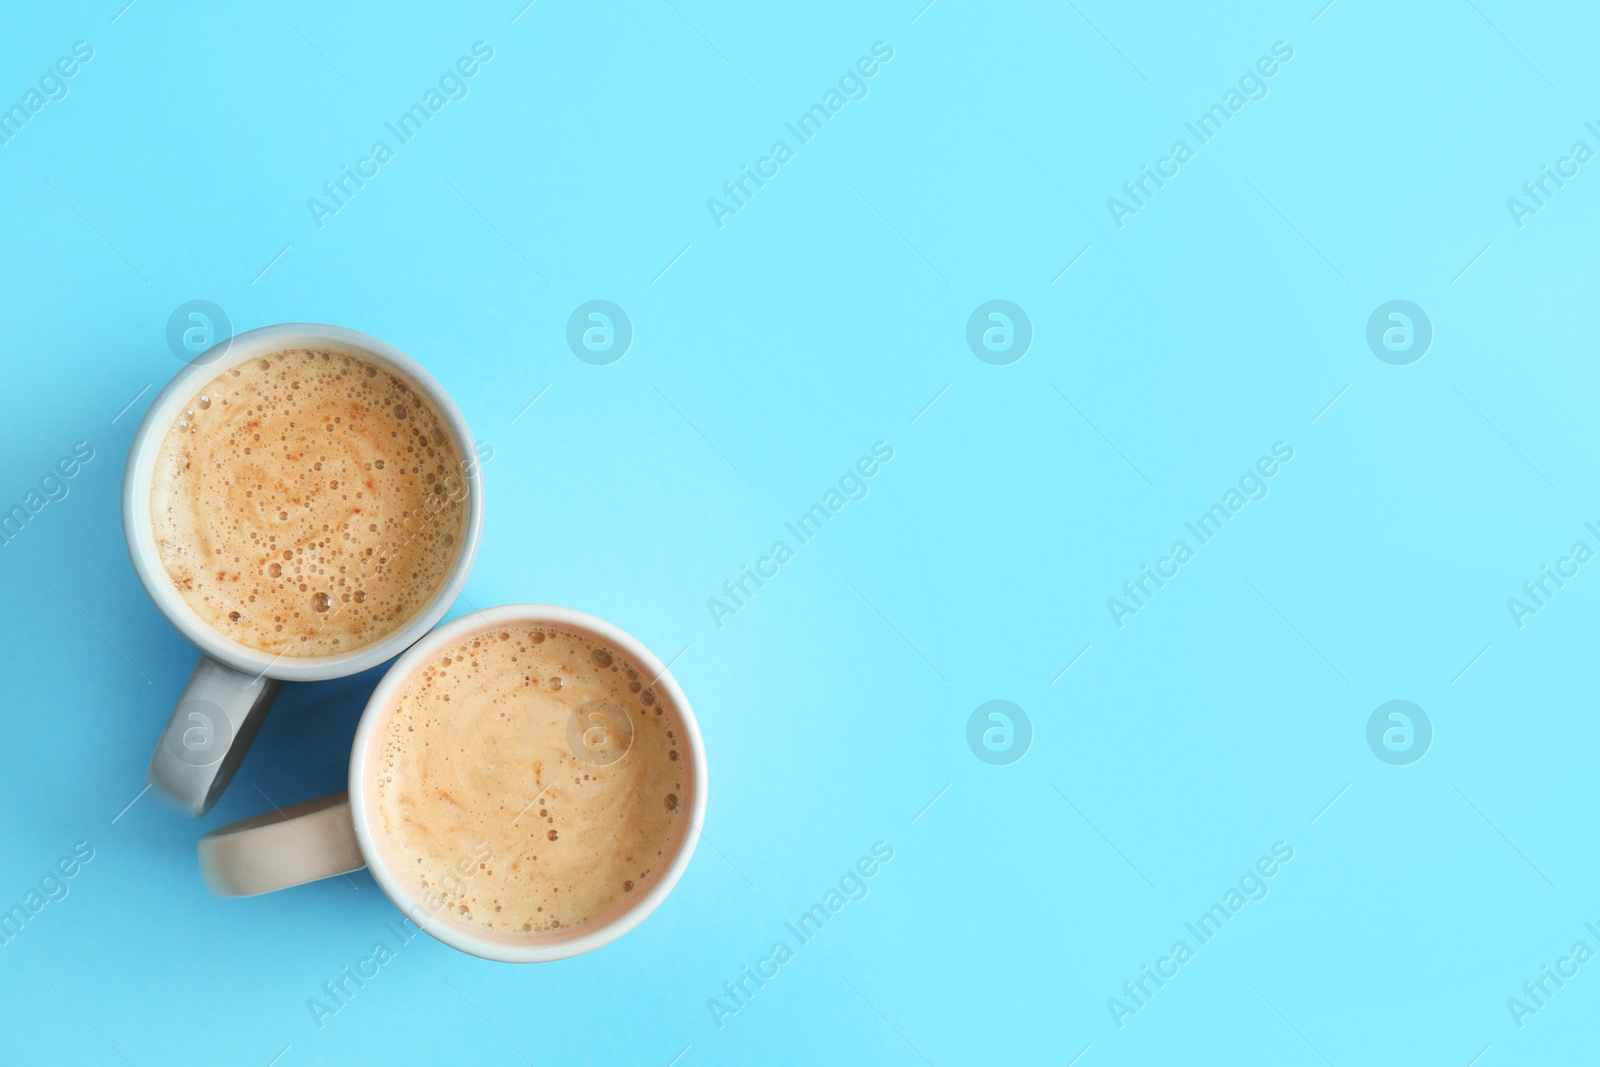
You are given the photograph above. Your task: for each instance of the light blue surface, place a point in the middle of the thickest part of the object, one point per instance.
(1227, 315)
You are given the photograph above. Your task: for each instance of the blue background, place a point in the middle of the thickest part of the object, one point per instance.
(1230, 713)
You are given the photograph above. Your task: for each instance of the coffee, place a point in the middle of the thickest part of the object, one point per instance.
(308, 503)
(527, 780)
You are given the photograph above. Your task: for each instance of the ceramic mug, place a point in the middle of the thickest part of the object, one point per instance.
(342, 833)
(233, 686)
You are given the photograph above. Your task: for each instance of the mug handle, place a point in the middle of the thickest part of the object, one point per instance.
(206, 739)
(282, 848)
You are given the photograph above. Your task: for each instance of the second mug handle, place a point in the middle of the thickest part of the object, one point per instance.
(285, 847)
(217, 717)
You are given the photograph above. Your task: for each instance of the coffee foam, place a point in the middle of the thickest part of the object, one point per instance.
(527, 780)
(308, 503)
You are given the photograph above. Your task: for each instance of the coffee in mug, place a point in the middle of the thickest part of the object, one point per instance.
(302, 502)
(526, 784)
(307, 503)
(546, 756)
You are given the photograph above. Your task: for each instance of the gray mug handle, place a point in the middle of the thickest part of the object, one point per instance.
(217, 717)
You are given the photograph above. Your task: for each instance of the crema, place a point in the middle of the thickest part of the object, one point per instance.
(308, 503)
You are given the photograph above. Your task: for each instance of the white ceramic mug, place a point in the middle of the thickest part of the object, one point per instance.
(232, 688)
(342, 833)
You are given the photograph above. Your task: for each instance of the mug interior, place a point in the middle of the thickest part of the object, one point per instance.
(505, 945)
(146, 449)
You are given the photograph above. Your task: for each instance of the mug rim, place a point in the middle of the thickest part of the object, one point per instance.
(138, 473)
(363, 817)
